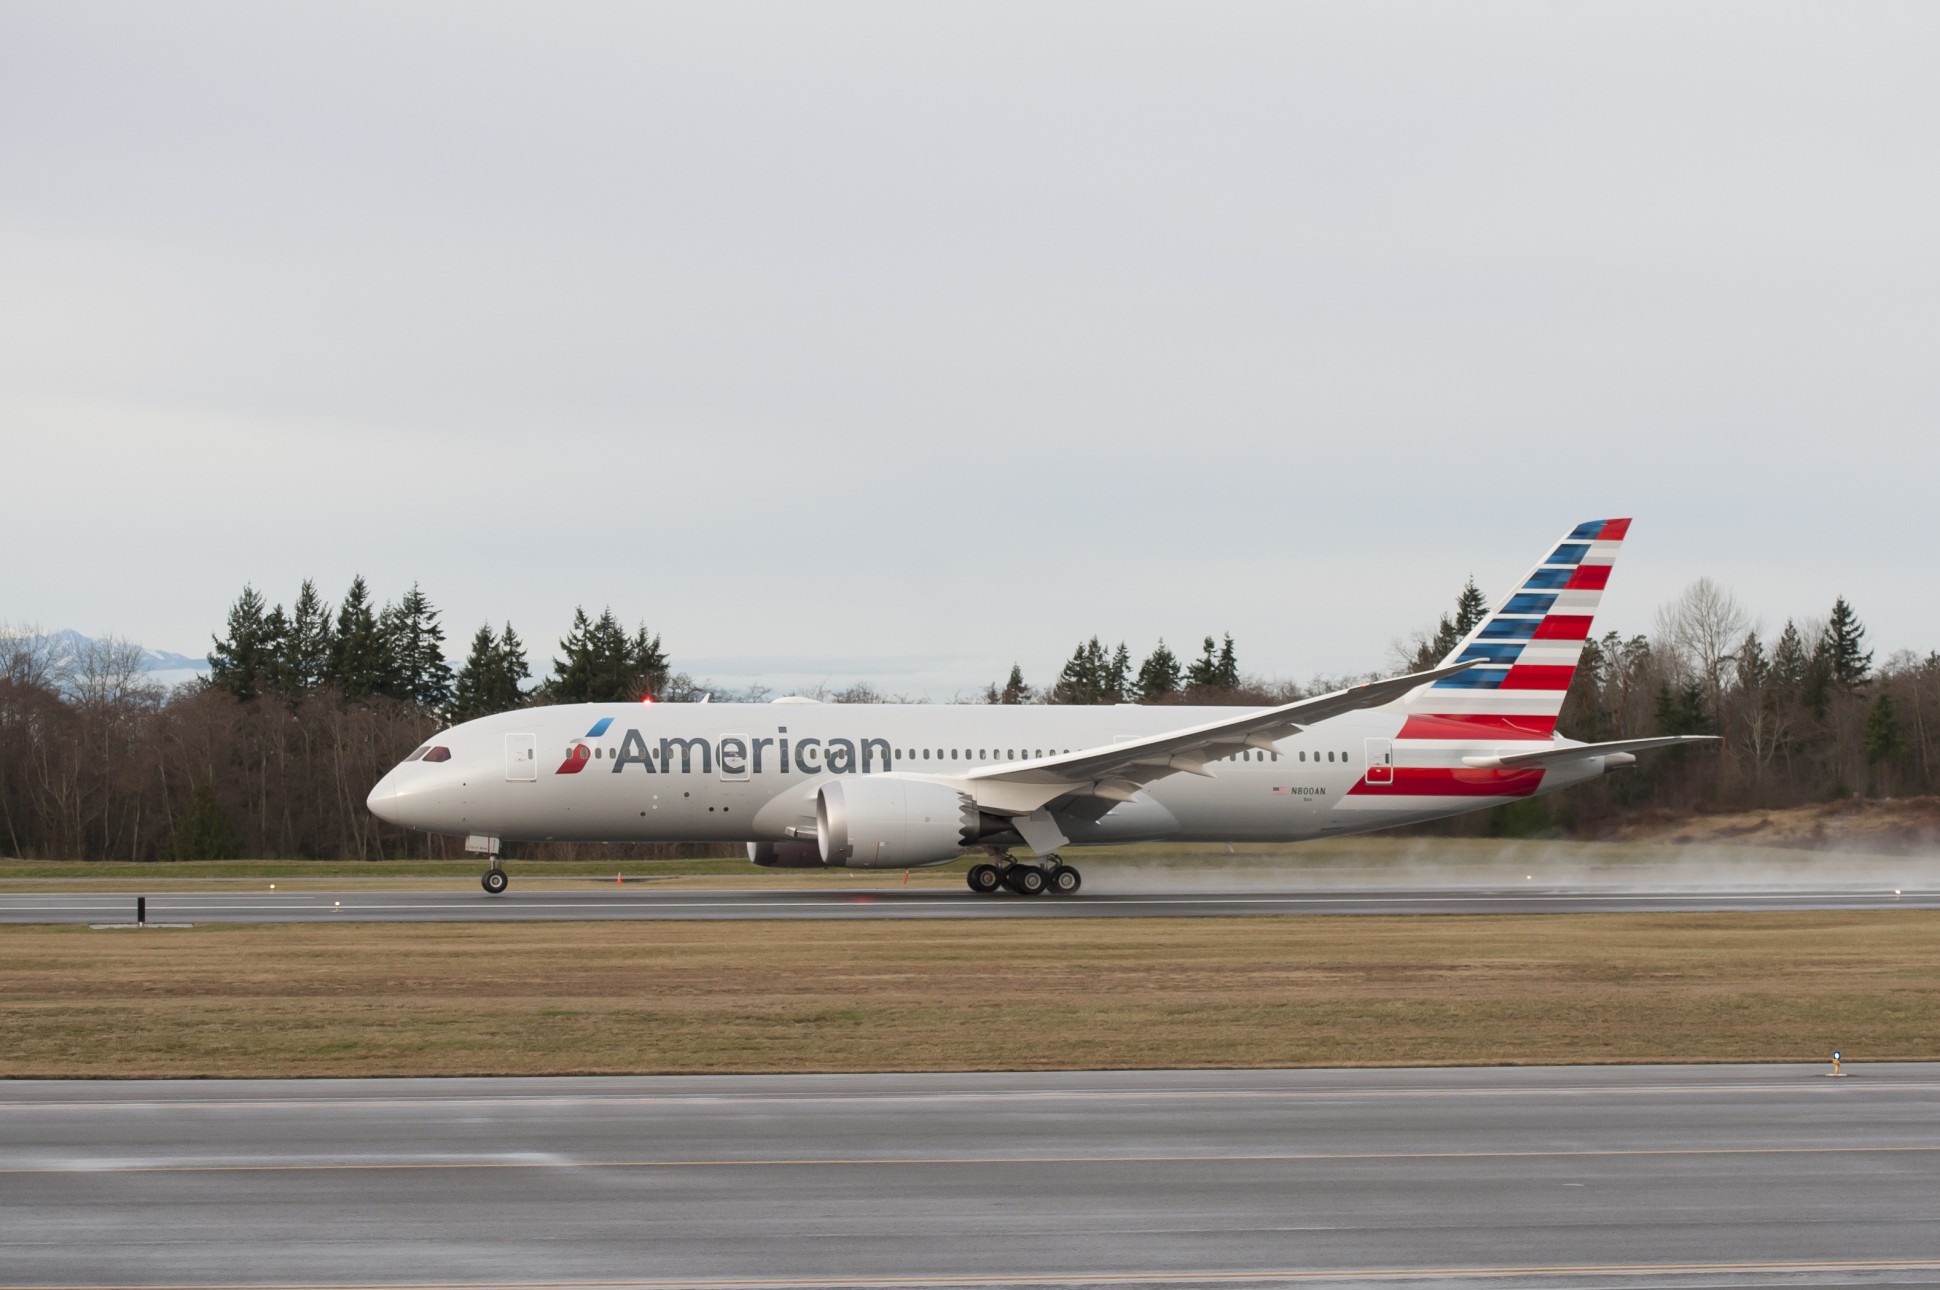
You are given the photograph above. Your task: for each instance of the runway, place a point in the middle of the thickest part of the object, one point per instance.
(1585, 1177)
(619, 902)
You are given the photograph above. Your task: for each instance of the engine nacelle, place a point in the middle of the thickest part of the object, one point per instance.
(785, 855)
(888, 822)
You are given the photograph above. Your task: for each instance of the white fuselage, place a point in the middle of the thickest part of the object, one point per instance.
(669, 772)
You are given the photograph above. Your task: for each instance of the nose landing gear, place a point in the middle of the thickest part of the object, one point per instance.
(494, 881)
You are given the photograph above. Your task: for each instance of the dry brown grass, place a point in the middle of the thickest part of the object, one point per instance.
(442, 999)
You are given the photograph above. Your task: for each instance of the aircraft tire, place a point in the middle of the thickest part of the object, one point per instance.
(1025, 880)
(1065, 881)
(494, 881)
(984, 879)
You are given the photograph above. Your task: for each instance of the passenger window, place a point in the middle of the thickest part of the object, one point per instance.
(1330, 756)
(953, 754)
(926, 754)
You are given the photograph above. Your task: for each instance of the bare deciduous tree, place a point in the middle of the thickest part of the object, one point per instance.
(1703, 628)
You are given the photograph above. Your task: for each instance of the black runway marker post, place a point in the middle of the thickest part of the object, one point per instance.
(141, 911)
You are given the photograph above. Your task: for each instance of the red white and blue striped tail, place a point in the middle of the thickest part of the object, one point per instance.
(1526, 651)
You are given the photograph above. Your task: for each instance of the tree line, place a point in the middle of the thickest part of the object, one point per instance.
(307, 706)
(1804, 714)
(358, 651)
(1094, 674)
(272, 755)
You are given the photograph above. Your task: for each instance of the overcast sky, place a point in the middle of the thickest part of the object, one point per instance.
(907, 340)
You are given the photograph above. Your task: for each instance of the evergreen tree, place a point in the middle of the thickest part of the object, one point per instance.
(357, 648)
(572, 672)
(1471, 607)
(1216, 668)
(646, 675)
(1884, 738)
(276, 642)
(513, 665)
(1090, 675)
(1118, 677)
(1799, 675)
(1816, 689)
(414, 647)
(1159, 675)
(1790, 662)
(306, 649)
(244, 662)
(1754, 668)
(1680, 709)
(1204, 672)
(1015, 691)
(492, 679)
(1848, 665)
(1226, 670)
(602, 665)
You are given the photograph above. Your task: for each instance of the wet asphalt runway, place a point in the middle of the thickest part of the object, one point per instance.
(1584, 1177)
(618, 902)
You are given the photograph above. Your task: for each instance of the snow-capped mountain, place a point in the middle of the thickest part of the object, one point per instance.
(164, 667)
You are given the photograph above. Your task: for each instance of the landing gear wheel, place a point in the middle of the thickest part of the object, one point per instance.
(494, 881)
(1025, 879)
(1065, 881)
(984, 878)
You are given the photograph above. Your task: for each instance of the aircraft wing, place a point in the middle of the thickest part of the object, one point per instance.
(1575, 752)
(1117, 771)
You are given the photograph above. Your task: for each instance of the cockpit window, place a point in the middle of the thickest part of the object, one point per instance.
(419, 754)
(437, 753)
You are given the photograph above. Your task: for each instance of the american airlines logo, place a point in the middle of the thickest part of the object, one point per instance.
(579, 754)
(733, 755)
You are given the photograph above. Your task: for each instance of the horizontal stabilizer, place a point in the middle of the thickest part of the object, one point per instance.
(1578, 752)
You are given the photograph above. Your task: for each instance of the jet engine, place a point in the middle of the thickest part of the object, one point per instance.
(887, 822)
(785, 855)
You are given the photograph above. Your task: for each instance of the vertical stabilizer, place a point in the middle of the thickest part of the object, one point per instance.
(1526, 650)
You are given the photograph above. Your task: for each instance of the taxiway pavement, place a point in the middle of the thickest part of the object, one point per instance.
(644, 901)
(1586, 1177)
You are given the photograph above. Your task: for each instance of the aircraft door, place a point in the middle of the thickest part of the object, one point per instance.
(1380, 761)
(522, 757)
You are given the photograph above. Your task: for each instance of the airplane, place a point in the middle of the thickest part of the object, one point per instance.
(901, 786)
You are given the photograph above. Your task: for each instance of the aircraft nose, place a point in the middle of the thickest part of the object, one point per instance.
(383, 799)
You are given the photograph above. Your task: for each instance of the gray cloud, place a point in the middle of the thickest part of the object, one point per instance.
(957, 333)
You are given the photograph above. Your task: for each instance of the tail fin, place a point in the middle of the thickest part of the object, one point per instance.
(1527, 649)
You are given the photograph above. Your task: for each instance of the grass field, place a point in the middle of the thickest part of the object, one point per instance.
(444, 999)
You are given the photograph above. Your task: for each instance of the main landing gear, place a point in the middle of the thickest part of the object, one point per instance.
(1049, 875)
(494, 882)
